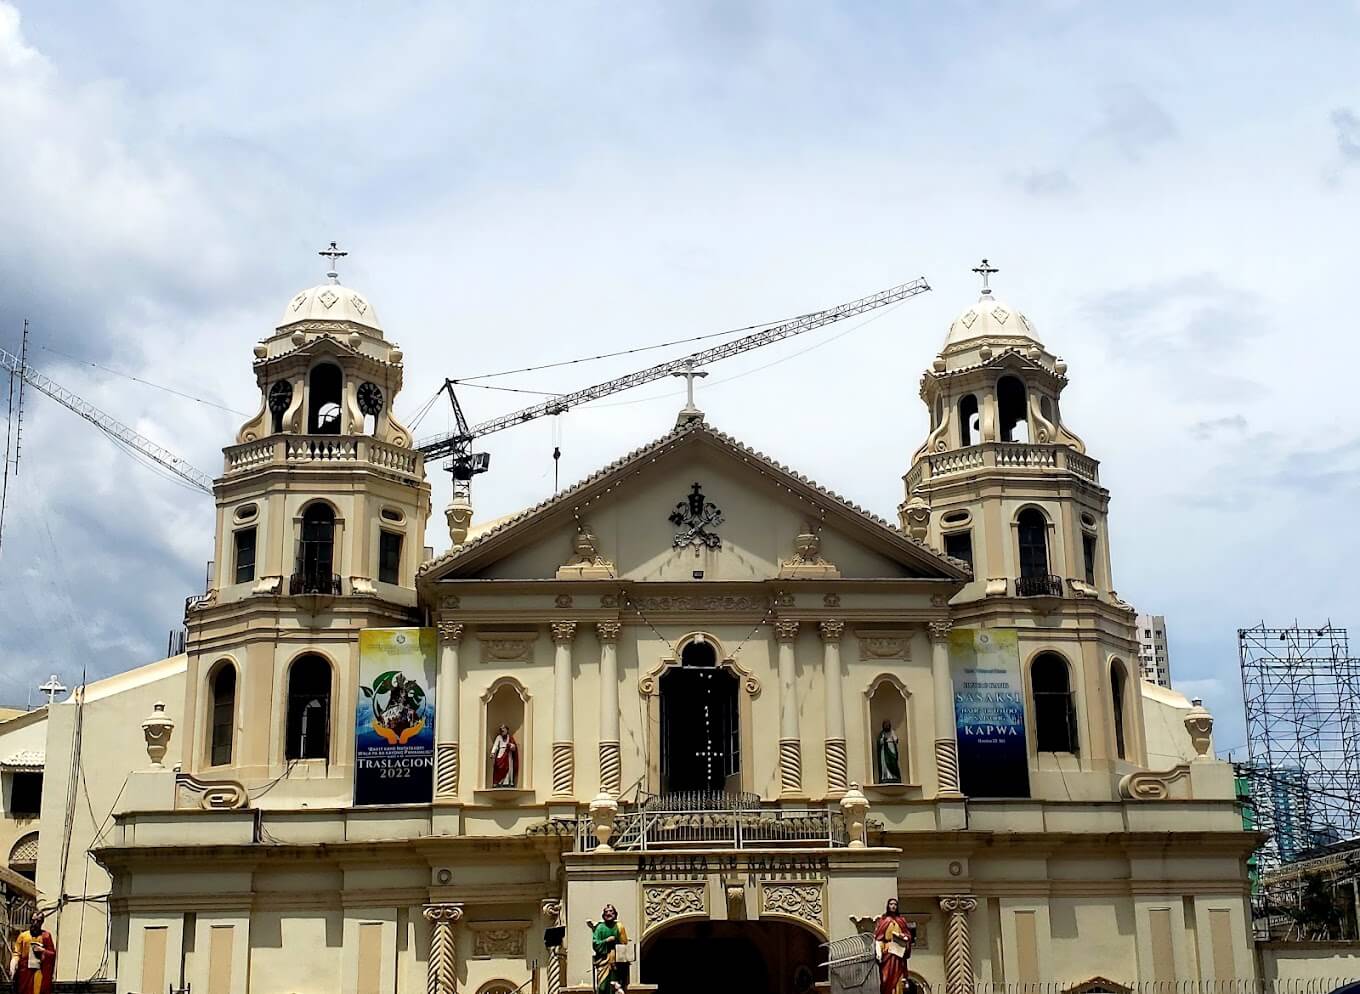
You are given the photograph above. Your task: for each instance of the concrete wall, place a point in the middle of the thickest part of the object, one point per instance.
(1309, 961)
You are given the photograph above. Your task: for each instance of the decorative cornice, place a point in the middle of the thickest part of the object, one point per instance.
(786, 630)
(563, 632)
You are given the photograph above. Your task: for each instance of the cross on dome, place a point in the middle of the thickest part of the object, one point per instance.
(985, 270)
(334, 254)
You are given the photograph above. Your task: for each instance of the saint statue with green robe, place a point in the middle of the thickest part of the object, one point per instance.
(605, 938)
(889, 766)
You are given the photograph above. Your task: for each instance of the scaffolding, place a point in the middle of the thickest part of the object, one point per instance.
(1301, 782)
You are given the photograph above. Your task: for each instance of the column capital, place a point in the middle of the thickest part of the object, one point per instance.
(786, 630)
(450, 632)
(832, 630)
(958, 904)
(563, 632)
(608, 631)
(551, 910)
(939, 630)
(443, 914)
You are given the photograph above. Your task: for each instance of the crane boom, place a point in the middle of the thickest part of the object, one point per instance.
(452, 443)
(106, 423)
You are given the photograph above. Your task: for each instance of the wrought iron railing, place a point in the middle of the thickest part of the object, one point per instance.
(308, 582)
(1039, 585)
(1290, 985)
(699, 800)
(649, 829)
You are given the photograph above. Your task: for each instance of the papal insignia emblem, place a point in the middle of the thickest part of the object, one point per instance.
(695, 517)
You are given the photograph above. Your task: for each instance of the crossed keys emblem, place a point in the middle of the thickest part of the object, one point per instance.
(695, 516)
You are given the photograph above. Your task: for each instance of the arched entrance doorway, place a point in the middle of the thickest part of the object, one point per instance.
(754, 957)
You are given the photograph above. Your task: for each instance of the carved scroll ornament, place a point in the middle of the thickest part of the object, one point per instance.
(663, 902)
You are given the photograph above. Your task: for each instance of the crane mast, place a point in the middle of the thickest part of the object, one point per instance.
(458, 443)
(106, 423)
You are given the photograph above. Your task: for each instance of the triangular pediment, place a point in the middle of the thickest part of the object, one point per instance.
(641, 526)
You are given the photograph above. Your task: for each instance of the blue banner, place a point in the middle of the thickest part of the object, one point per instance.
(989, 712)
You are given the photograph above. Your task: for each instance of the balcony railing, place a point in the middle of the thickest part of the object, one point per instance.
(1040, 585)
(649, 830)
(1007, 455)
(323, 450)
(308, 582)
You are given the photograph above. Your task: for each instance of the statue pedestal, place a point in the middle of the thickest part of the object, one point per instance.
(148, 790)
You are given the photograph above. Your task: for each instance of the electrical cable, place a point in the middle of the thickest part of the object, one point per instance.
(145, 383)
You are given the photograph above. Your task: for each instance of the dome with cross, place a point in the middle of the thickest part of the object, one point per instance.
(330, 301)
(989, 320)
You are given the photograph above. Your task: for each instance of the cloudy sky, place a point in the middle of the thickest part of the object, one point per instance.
(1169, 190)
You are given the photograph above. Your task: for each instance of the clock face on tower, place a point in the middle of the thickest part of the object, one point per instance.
(370, 398)
(280, 396)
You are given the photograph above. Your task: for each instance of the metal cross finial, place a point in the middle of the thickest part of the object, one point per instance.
(985, 270)
(52, 688)
(690, 374)
(335, 255)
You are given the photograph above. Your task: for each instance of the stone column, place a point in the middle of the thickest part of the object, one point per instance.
(837, 774)
(790, 742)
(441, 971)
(946, 743)
(557, 958)
(446, 716)
(564, 745)
(611, 765)
(958, 956)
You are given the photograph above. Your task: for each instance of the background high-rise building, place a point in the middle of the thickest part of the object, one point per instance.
(1153, 657)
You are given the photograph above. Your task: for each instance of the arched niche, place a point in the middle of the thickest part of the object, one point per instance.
(507, 702)
(888, 699)
(695, 647)
(498, 987)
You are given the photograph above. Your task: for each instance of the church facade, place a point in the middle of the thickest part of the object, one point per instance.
(696, 686)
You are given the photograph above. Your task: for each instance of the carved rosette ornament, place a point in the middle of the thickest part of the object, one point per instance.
(800, 901)
(664, 902)
(440, 975)
(958, 957)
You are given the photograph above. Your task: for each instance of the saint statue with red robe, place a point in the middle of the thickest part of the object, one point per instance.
(504, 759)
(34, 958)
(893, 935)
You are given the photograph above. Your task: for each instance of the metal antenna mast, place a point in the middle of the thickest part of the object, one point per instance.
(106, 423)
(465, 463)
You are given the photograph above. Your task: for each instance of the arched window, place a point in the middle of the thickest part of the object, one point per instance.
(1055, 713)
(23, 857)
(969, 427)
(1118, 685)
(1010, 400)
(700, 726)
(324, 388)
(315, 572)
(308, 731)
(1032, 529)
(223, 724)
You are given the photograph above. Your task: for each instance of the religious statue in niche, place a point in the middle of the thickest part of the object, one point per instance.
(887, 755)
(504, 759)
(610, 953)
(894, 936)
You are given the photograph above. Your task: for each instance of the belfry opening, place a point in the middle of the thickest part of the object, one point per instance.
(700, 730)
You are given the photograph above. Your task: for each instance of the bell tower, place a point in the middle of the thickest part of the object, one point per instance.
(321, 514)
(1003, 483)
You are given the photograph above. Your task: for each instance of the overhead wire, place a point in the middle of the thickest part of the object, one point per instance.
(145, 382)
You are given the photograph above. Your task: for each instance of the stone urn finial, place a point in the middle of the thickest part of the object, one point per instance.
(916, 517)
(1200, 724)
(855, 807)
(602, 812)
(158, 728)
(459, 517)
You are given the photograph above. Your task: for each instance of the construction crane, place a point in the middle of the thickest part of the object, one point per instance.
(464, 464)
(106, 423)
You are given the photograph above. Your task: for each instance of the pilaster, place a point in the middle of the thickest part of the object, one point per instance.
(564, 745)
(837, 772)
(611, 763)
(443, 962)
(446, 717)
(790, 742)
(958, 954)
(946, 742)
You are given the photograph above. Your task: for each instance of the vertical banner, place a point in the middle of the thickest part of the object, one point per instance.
(394, 717)
(989, 712)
